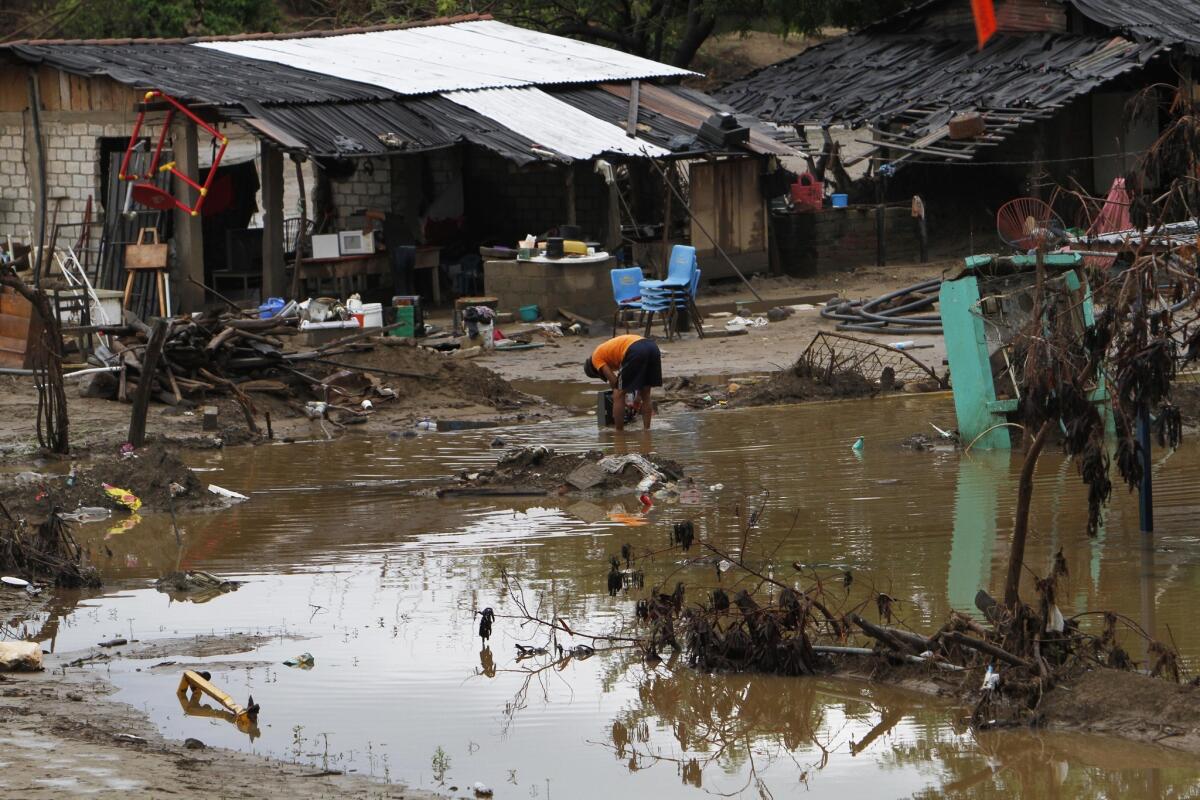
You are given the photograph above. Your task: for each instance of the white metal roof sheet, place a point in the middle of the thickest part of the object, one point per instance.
(480, 54)
(553, 124)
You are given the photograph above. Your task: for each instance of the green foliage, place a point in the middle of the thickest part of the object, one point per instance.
(163, 18)
(673, 30)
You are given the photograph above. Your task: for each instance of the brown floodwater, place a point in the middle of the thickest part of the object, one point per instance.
(336, 547)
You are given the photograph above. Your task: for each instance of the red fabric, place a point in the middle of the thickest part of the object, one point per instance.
(985, 20)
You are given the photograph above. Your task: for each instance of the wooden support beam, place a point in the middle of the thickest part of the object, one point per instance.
(274, 277)
(189, 235)
(631, 120)
(145, 385)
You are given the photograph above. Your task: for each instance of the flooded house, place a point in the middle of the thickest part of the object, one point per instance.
(420, 153)
(1067, 93)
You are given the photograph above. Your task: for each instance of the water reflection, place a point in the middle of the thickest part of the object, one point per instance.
(385, 586)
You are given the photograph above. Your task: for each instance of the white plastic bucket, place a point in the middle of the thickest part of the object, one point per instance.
(372, 315)
(488, 334)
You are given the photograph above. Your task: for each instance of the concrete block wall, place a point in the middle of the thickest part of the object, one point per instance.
(583, 288)
(369, 187)
(840, 239)
(16, 200)
(72, 165)
(505, 202)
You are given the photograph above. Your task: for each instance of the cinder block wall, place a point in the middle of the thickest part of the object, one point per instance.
(841, 239)
(369, 187)
(505, 202)
(72, 165)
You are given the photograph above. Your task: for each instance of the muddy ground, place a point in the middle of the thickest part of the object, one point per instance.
(64, 736)
(406, 384)
(759, 352)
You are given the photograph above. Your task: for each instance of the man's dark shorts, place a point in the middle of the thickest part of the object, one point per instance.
(642, 366)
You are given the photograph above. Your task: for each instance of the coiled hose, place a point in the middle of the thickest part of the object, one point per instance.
(881, 315)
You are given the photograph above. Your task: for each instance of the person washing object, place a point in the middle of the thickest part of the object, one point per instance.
(631, 364)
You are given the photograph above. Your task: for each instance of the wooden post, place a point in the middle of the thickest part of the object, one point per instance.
(274, 274)
(189, 235)
(302, 232)
(631, 119)
(35, 156)
(668, 173)
(145, 387)
(572, 215)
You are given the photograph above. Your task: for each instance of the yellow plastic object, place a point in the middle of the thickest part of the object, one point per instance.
(246, 719)
(574, 248)
(123, 496)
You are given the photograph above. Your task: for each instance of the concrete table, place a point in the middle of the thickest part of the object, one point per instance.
(582, 284)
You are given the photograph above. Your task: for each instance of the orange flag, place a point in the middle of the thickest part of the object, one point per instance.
(985, 20)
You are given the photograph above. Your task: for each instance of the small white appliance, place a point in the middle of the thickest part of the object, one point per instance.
(325, 245)
(356, 243)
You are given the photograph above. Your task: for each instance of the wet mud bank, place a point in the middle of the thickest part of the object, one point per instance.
(64, 732)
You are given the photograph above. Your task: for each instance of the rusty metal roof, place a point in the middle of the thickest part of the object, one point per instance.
(905, 88)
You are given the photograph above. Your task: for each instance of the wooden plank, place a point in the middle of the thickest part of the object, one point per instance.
(141, 399)
(631, 119)
(49, 88)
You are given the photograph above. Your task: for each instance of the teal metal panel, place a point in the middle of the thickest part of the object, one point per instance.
(970, 373)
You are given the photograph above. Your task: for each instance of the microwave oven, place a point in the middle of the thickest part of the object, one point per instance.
(354, 243)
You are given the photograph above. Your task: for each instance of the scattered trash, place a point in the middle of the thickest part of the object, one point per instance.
(1056, 623)
(907, 344)
(85, 514)
(303, 661)
(122, 496)
(367, 405)
(20, 657)
(426, 424)
(315, 409)
(217, 490)
(198, 683)
(482, 790)
(113, 642)
(16, 583)
(990, 680)
(858, 444)
(128, 738)
(716, 487)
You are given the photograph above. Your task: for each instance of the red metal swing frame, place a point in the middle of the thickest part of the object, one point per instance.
(146, 192)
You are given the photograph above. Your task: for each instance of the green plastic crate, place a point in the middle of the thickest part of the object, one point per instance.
(404, 322)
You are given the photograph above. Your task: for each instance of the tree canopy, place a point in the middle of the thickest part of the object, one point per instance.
(162, 18)
(663, 30)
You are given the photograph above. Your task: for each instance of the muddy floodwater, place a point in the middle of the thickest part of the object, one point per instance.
(383, 584)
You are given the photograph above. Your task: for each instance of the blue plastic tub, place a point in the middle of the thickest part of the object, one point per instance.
(839, 200)
(272, 307)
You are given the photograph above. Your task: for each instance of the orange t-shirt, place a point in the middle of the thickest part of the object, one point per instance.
(612, 352)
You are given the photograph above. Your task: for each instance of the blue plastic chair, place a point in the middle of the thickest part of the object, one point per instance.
(680, 270)
(667, 298)
(627, 293)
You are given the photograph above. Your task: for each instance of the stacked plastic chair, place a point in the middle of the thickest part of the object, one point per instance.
(677, 291)
(627, 294)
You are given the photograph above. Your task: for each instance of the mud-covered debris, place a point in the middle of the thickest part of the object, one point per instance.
(539, 468)
(195, 585)
(20, 657)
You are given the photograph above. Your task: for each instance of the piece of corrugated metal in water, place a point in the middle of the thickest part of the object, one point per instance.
(466, 55)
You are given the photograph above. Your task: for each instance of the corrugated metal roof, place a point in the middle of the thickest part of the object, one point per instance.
(468, 55)
(555, 125)
(1151, 20)
(196, 74)
(393, 127)
(861, 78)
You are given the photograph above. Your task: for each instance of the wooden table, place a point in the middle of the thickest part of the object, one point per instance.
(344, 270)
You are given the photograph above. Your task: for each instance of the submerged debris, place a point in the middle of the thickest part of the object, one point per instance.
(543, 470)
(195, 585)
